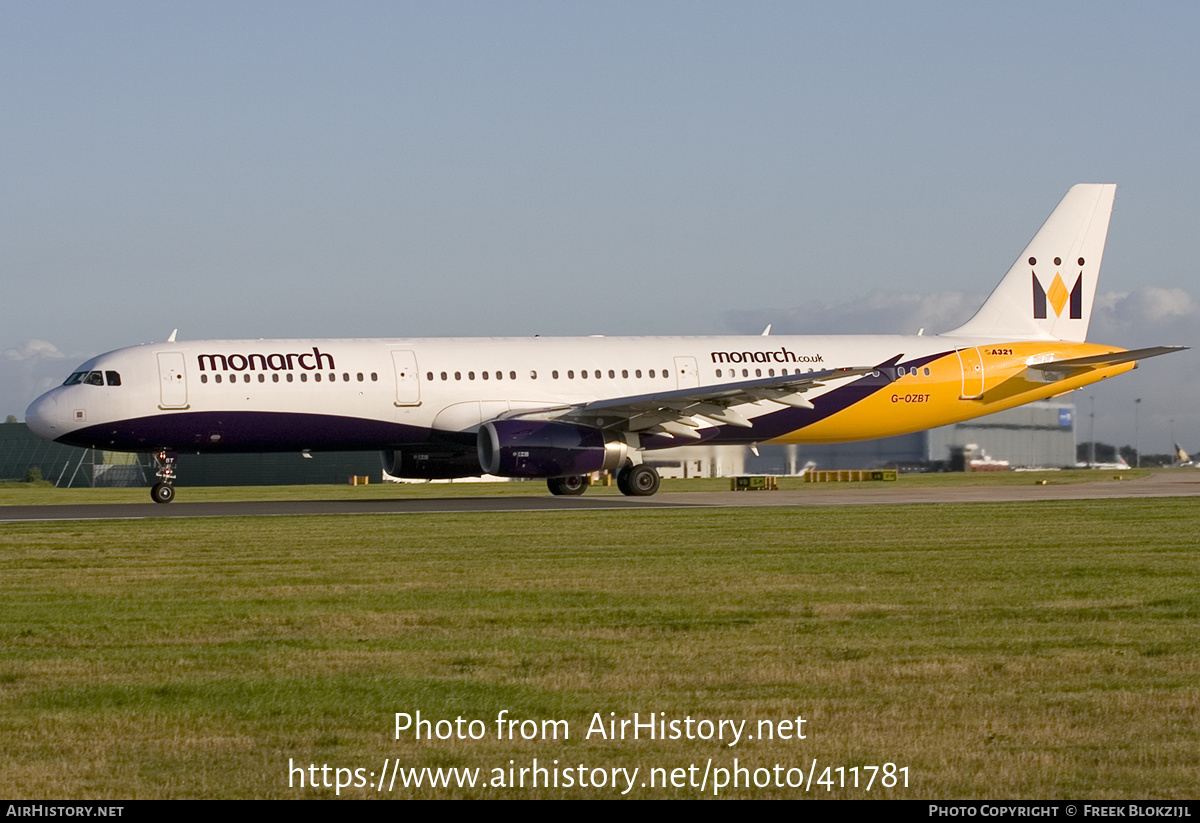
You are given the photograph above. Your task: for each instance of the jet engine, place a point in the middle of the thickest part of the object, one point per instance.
(544, 448)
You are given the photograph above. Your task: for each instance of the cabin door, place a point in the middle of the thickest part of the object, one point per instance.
(172, 380)
(972, 373)
(408, 379)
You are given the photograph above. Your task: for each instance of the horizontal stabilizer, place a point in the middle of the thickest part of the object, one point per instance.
(1112, 359)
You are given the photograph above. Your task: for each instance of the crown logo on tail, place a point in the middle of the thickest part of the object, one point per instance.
(1057, 296)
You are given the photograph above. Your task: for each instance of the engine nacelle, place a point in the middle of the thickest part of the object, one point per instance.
(423, 464)
(543, 448)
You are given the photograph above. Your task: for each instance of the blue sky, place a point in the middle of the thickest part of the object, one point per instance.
(422, 169)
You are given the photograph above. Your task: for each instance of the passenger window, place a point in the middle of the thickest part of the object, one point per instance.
(360, 378)
(458, 375)
(275, 378)
(429, 376)
(204, 378)
(637, 373)
(583, 374)
(533, 375)
(217, 378)
(554, 374)
(652, 372)
(316, 377)
(113, 378)
(245, 378)
(570, 374)
(289, 377)
(374, 376)
(597, 374)
(262, 378)
(625, 372)
(926, 371)
(304, 377)
(485, 375)
(758, 372)
(346, 377)
(470, 375)
(499, 375)
(443, 375)
(512, 375)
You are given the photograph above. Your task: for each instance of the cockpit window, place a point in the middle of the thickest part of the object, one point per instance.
(93, 378)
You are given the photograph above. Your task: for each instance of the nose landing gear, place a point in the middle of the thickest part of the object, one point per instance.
(164, 469)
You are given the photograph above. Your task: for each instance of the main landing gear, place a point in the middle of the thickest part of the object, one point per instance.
(633, 481)
(638, 481)
(164, 469)
(575, 484)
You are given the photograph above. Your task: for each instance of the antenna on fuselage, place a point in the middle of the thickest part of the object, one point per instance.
(174, 332)
(767, 331)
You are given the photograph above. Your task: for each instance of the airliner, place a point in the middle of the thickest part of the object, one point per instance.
(561, 409)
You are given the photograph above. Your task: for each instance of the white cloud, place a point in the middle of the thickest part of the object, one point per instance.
(1127, 319)
(34, 349)
(878, 312)
(27, 370)
(1148, 316)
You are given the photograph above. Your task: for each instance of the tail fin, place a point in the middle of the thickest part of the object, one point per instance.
(1048, 292)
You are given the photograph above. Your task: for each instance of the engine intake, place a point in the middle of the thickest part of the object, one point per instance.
(543, 448)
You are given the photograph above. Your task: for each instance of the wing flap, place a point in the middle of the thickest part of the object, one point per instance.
(681, 412)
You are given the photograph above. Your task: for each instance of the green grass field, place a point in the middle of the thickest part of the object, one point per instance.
(1047, 650)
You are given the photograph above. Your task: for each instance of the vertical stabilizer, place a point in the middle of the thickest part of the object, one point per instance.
(1048, 292)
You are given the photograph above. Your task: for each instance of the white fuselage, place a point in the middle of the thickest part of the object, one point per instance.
(349, 394)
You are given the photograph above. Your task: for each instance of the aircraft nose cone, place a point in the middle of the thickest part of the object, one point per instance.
(42, 417)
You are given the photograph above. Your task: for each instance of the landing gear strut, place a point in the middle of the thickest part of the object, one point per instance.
(638, 481)
(575, 484)
(164, 469)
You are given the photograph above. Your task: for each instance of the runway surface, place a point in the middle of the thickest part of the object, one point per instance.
(1160, 484)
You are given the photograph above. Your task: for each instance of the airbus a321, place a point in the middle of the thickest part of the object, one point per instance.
(564, 408)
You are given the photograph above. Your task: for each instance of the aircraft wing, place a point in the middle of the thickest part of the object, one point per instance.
(681, 412)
